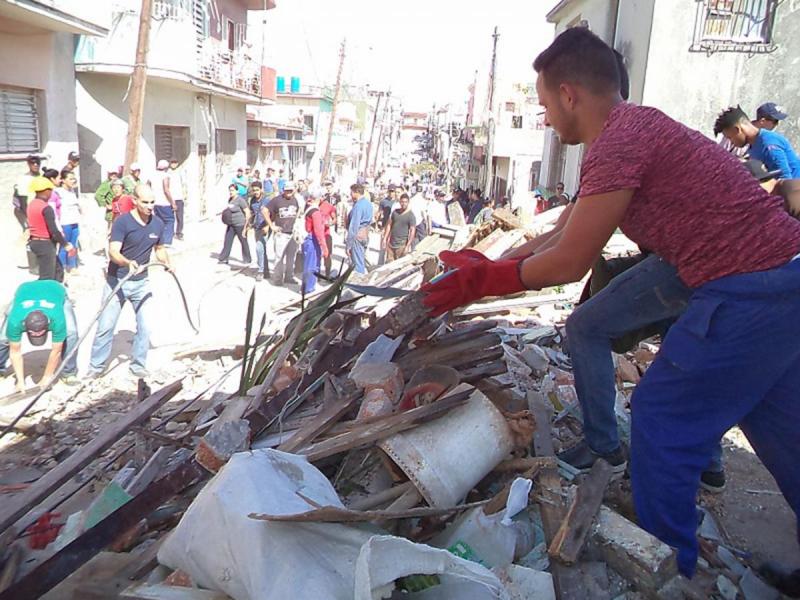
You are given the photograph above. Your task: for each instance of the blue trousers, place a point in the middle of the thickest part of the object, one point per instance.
(358, 255)
(71, 233)
(733, 357)
(166, 214)
(137, 292)
(312, 258)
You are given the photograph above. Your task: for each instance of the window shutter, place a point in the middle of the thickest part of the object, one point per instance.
(19, 121)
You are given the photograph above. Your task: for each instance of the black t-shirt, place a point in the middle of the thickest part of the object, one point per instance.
(137, 240)
(400, 222)
(283, 212)
(385, 206)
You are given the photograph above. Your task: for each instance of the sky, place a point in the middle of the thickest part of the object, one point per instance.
(425, 51)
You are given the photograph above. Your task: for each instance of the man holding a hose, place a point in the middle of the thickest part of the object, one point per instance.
(133, 238)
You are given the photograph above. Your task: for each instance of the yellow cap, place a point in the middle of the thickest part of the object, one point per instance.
(39, 184)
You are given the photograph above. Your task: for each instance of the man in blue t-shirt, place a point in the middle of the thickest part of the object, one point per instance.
(134, 236)
(770, 147)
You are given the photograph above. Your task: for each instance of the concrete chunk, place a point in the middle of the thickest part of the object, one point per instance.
(222, 442)
(379, 376)
(641, 558)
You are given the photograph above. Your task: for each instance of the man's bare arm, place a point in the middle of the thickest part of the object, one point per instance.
(544, 241)
(17, 362)
(163, 256)
(53, 361)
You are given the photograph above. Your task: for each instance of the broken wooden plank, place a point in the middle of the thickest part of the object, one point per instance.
(388, 495)
(322, 422)
(151, 470)
(160, 591)
(384, 427)
(334, 514)
(19, 505)
(575, 528)
(528, 300)
(58, 567)
(566, 579)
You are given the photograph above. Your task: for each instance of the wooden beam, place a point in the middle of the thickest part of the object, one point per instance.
(334, 514)
(45, 485)
(575, 528)
(567, 580)
(385, 427)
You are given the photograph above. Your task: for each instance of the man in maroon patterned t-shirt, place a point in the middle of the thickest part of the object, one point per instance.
(731, 243)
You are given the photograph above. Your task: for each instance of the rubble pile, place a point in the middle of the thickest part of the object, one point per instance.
(370, 452)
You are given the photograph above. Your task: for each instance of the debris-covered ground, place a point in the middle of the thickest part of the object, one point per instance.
(356, 449)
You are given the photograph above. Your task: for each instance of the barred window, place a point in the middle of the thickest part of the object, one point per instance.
(734, 26)
(19, 121)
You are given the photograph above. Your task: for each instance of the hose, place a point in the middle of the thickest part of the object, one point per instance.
(71, 352)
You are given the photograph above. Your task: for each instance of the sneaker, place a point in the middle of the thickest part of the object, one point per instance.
(222, 262)
(581, 457)
(139, 372)
(713, 481)
(291, 281)
(70, 379)
(259, 277)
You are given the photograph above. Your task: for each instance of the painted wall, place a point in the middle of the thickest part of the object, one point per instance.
(232, 9)
(102, 118)
(81, 9)
(694, 87)
(172, 42)
(634, 24)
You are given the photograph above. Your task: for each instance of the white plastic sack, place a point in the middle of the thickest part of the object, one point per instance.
(224, 550)
(384, 559)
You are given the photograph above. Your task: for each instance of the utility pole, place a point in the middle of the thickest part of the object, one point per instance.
(138, 84)
(326, 158)
(487, 191)
(380, 133)
(372, 131)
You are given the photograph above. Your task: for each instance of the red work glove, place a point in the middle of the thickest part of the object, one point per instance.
(476, 279)
(462, 258)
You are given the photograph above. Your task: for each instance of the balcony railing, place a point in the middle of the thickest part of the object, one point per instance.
(232, 69)
(171, 9)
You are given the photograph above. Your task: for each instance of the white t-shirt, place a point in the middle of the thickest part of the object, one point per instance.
(70, 207)
(419, 206)
(158, 188)
(438, 212)
(175, 184)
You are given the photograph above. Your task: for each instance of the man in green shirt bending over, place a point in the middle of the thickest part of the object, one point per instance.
(40, 307)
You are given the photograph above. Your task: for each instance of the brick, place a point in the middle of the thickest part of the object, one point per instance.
(222, 442)
(375, 404)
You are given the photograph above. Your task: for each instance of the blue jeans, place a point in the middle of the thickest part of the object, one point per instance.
(71, 366)
(732, 358)
(71, 233)
(358, 255)
(312, 258)
(649, 292)
(139, 295)
(261, 252)
(166, 214)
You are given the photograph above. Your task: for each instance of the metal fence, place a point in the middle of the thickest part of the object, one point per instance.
(734, 26)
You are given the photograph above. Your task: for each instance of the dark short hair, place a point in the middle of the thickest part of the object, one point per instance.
(256, 184)
(560, 184)
(729, 117)
(579, 56)
(65, 172)
(50, 173)
(233, 186)
(404, 195)
(357, 188)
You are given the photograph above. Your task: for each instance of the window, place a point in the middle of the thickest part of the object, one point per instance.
(172, 143)
(226, 142)
(734, 26)
(230, 34)
(516, 122)
(511, 107)
(308, 121)
(19, 121)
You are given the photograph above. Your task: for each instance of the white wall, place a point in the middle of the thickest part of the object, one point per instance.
(694, 87)
(103, 113)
